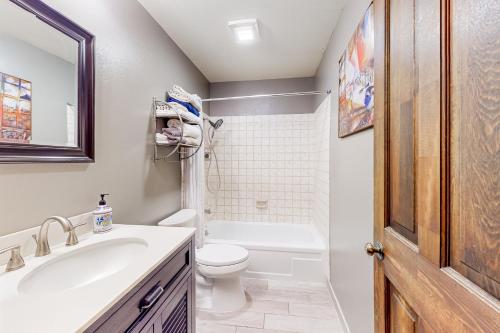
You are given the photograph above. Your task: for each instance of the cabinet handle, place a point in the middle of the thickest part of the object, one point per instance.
(152, 296)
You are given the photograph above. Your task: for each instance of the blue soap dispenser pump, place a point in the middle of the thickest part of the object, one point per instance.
(103, 216)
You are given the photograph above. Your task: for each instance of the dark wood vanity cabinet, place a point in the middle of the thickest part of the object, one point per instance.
(174, 315)
(163, 302)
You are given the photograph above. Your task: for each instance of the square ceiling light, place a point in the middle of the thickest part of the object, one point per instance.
(245, 31)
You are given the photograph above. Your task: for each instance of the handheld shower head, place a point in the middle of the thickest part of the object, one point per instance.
(217, 124)
(211, 155)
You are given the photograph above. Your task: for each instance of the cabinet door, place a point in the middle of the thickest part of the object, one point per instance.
(176, 314)
(129, 315)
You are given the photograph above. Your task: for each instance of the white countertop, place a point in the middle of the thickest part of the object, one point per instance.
(76, 309)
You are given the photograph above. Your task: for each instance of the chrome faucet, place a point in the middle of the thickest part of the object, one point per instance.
(42, 240)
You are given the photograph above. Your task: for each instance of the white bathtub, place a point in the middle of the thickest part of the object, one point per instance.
(277, 250)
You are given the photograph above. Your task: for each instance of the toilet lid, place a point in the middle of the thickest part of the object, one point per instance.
(221, 255)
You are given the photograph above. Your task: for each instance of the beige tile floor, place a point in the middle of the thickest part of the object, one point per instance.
(277, 307)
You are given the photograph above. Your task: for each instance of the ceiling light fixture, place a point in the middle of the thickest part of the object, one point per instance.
(245, 31)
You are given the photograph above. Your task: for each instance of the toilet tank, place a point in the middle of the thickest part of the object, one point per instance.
(183, 218)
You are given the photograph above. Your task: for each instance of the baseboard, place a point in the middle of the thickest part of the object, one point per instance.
(343, 321)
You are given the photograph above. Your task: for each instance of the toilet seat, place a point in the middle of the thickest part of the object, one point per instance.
(223, 272)
(219, 255)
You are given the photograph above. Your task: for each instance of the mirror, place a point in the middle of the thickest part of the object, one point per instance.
(46, 85)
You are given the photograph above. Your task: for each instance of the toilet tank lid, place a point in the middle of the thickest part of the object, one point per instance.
(180, 218)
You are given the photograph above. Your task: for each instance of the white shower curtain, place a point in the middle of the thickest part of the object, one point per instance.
(193, 175)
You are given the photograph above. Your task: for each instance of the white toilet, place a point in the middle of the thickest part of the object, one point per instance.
(219, 267)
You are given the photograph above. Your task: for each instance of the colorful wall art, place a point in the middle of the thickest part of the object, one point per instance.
(356, 79)
(15, 109)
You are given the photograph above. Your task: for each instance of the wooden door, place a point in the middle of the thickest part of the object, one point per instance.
(437, 165)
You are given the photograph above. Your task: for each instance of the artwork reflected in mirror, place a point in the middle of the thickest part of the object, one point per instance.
(15, 109)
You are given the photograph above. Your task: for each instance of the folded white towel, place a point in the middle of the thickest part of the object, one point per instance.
(188, 130)
(179, 96)
(178, 107)
(179, 93)
(191, 141)
(197, 103)
(163, 139)
(174, 110)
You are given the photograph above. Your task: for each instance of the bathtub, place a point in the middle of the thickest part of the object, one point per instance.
(277, 250)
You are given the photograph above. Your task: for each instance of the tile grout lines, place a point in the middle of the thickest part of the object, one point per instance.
(304, 312)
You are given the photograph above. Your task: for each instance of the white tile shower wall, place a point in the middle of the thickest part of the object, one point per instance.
(264, 158)
(281, 159)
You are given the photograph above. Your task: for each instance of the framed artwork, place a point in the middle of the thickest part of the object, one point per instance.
(356, 80)
(15, 109)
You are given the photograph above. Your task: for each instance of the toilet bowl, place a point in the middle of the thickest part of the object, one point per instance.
(218, 268)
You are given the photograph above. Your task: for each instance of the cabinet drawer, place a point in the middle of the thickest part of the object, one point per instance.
(175, 314)
(139, 305)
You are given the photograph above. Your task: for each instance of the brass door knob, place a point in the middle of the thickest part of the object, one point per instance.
(376, 248)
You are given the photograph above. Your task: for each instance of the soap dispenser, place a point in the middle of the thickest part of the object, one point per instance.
(103, 216)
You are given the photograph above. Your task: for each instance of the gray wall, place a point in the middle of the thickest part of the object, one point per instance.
(53, 82)
(351, 190)
(136, 60)
(262, 106)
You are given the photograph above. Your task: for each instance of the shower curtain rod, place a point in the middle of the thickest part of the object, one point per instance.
(300, 93)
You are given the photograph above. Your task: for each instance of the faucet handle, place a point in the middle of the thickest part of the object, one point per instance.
(72, 238)
(16, 261)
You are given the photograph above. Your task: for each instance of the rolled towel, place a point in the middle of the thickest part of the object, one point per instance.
(172, 131)
(162, 138)
(188, 130)
(185, 140)
(173, 137)
(175, 133)
(174, 123)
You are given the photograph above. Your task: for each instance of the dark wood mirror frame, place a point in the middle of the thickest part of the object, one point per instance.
(84, 152)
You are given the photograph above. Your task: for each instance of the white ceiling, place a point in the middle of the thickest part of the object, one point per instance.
(294, 35)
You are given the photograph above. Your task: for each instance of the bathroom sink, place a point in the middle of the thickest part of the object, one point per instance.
(83, 266)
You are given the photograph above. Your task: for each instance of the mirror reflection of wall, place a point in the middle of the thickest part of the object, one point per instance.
(38, 80)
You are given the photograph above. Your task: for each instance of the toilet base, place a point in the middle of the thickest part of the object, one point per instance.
(225, 295)
(228, 295)
(221, 293)
(203, 292)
